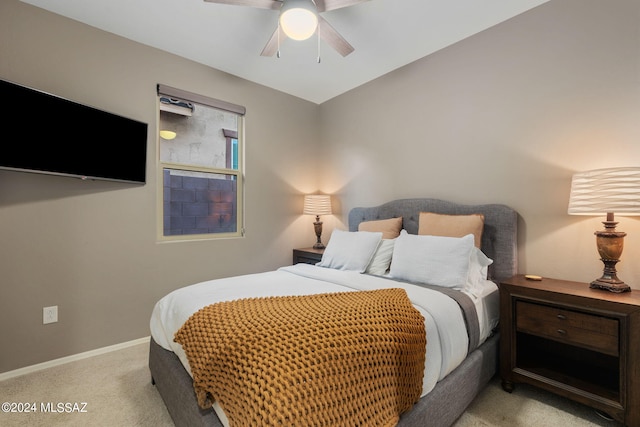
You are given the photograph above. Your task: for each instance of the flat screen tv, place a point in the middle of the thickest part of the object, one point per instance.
(53, 135)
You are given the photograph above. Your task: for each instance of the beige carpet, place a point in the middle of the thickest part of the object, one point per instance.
(117, 390)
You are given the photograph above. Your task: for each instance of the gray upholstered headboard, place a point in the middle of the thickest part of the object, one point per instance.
(499, 237)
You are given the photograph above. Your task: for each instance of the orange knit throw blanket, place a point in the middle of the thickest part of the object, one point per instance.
(336, 359)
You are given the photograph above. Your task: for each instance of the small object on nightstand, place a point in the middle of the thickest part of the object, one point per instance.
(533, 277)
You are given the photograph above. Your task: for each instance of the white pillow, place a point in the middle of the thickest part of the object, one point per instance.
(433, 260)
(478, 271)
(381, 260)
(350, 250)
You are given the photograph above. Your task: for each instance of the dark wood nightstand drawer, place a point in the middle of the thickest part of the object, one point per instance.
(307, 255)
(572, 327)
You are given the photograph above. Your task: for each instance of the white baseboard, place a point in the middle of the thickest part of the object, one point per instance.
(72, 358)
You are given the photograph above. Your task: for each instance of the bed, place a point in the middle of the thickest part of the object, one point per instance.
(448, 388)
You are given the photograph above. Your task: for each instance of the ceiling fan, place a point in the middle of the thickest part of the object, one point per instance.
(305, 11)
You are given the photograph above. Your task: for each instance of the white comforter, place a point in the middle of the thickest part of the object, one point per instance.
(447, 339)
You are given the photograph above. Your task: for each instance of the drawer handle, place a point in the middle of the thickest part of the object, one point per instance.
(561, 316)
(562, 331)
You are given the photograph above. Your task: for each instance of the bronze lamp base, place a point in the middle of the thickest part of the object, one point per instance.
(317, 226)
(610, 244)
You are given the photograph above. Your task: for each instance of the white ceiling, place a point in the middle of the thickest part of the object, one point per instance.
(386, 35)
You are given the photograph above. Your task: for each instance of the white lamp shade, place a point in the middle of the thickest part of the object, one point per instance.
(298, 19)
(317, 204)
(602, 191)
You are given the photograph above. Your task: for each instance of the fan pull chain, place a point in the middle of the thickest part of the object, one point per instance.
(318, 32)
(278, 51)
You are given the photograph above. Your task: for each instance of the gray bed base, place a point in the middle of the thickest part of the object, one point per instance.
(451, 396)
(440, 408)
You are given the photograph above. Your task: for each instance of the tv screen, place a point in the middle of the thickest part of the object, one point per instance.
(53, 135)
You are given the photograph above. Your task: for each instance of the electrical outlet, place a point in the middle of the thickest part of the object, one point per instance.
(49, 314)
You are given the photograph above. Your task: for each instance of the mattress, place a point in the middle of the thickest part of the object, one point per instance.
(447, 339)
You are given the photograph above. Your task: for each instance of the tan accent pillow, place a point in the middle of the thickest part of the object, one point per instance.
(390, 228)
(451, 225)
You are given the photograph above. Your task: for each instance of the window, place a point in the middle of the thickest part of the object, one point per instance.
(200, 155)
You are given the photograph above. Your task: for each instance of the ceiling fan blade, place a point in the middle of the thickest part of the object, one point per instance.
(260, 4)
(272, 45)
(326, 5)
(320, 6)
(333, 38)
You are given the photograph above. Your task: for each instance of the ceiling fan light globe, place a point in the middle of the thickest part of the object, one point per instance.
(298, 24)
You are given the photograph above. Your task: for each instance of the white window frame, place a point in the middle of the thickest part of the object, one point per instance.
(237, 174)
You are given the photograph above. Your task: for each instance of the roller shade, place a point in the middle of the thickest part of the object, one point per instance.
(200, 99)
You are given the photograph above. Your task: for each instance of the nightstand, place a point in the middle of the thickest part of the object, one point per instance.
(578, 342)
(307, 255)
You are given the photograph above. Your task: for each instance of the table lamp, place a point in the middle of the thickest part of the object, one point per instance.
(317, 204)
(607, 192)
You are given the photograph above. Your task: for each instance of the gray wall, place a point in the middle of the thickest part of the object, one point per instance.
(90, 247)
(505, 116)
